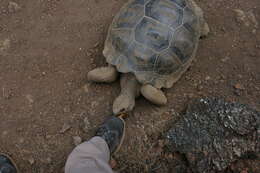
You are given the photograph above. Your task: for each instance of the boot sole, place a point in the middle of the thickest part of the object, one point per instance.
(122, 139)
(12, 161)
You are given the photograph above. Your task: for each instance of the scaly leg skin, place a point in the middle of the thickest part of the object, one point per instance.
(130, 89)
(204, 25)
(154, 95)
(103, 74)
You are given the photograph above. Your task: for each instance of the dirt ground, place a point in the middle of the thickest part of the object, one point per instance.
(48, 46)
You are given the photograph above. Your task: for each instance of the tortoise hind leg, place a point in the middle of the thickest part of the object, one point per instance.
(154, 95)
(204, 25)
(103, 74)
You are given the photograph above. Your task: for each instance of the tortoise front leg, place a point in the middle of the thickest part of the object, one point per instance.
(103, 74)
(205, 29)
(154, 95)
(130, 89)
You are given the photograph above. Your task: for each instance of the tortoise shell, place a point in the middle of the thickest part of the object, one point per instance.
(154, 39)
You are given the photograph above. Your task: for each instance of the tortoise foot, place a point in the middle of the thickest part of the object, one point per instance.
(103, 74)
(123, 103)
(153, 94)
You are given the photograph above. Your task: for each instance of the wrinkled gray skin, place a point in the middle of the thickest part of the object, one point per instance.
(130, 87)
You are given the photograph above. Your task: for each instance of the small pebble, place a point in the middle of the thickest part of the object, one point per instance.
(29, 98)
(251, 16)
(247, 18)
(19, 129)
(48, 136)
(241, 17)
(77, 140)
(4, 133)
(31, 160)
(240, 76)
(200, 87)
(65, 128)
(21, 140)
(225, 59)
(85, 88)
(86, 124)
(66, 109)
(48, 160)
(13, 7)
(5, 44)
(239, 86)
(207, 78)
(94, 104)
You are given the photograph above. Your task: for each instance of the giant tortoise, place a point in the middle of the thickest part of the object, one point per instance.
(151, 43)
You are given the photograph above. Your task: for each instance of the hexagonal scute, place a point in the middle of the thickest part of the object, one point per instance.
(153, 34)
(165, 12)
(167, 63)
(184, 43)
(141, 58)
(120, 40)
(190, 20)
(181, 3)
(129, 16)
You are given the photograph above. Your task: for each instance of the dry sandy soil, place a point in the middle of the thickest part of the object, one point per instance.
(48, 46)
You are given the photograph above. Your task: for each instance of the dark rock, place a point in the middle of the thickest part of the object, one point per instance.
(213, 134)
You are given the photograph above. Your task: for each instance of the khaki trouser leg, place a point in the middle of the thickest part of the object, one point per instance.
(89, 157)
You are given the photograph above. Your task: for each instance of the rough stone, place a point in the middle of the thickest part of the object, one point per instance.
(247, 18)
(65, 128)
(213, 134)
(86, 125)
(239, 86)
(4, 45)
(29, 97)
(77, 140)
(31, 160)
(13, 7)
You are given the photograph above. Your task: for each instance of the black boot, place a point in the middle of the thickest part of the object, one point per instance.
(7, 165)
(112, 131)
